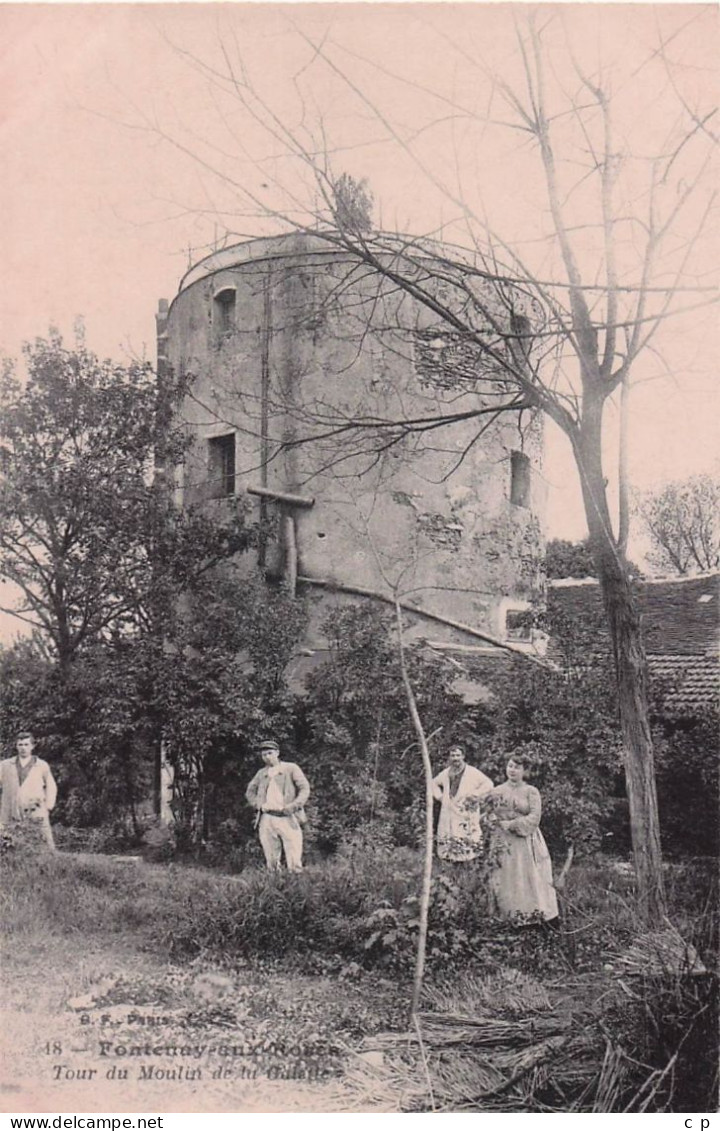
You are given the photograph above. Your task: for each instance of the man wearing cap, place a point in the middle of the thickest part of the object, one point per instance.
(279, 792)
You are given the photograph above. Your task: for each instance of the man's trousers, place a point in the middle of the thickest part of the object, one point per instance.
(32, 829)
(277, 833)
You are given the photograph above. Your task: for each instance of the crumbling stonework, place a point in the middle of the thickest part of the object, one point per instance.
(446, 360)
(441, 530)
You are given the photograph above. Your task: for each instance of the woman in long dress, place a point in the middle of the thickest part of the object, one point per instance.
(522, 882)
(459, 788)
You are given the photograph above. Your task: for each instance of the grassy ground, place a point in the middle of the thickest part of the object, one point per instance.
(289, 986)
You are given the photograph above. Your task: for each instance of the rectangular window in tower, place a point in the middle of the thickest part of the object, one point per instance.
(521, 334)
(519, 479)
(221, 466)
(224, 310)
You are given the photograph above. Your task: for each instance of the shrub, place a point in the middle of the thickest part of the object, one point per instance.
(354, 735)
(688, 785)
(667, 1031)
(566, 722)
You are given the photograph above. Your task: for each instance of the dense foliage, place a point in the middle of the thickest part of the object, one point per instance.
(208, 689)
(564, 559)
(218, 682)
(115, 580)
(355, 735)
(78, 441)
(688, 784)
(565, 723)
(154, 640)
(221, 687)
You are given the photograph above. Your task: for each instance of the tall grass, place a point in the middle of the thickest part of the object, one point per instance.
(647, 1033)
(362, 908)
(196, 911)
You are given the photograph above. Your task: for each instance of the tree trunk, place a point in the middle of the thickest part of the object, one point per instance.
(631, 669)
(63, 642)
(424, 910)
(631, 674)
(157, 757)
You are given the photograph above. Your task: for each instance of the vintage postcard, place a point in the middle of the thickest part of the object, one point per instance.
(359, 558)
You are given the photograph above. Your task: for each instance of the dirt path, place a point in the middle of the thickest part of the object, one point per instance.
(113, 1031)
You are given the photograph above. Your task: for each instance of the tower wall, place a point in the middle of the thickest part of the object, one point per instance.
(288, 342)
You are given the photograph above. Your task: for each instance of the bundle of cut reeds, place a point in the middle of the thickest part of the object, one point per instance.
(491, 1054)
(663, 952)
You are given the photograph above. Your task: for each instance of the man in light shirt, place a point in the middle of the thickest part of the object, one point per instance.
(28, 791)
(279, 792)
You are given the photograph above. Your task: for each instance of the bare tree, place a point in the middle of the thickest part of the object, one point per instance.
(683, 522)
(559, 333)
(422, 739)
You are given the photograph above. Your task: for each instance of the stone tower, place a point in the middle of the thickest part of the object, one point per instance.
(289, 341)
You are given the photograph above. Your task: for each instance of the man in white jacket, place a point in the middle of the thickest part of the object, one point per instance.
(459, 789)
(28, 790)
(278, 792)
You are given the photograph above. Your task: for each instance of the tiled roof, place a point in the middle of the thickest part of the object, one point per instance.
(680, 616)
(686, 682)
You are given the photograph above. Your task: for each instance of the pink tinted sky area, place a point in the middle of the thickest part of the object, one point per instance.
(98, 210)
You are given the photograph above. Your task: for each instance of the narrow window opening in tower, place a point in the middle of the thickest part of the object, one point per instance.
(221, 466)
(521, 329)
(224, 310)
(519, 479)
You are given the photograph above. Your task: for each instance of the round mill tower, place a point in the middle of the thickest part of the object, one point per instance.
(292, 343)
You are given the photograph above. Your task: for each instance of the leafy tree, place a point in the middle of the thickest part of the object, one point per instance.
(219, 686)
(567, 722)
(101, 558)
(24, 671)
(565, 559)
(683, 522)
(209, 688)
(688, 783)
(568, 559)
(78, 441)
(90, 724)
(88, 533)
(356, 739)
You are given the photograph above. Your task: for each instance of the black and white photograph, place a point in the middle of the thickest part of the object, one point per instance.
(359, 558)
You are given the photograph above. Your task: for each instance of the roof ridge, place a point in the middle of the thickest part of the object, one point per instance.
(707, 575)
(567, 582)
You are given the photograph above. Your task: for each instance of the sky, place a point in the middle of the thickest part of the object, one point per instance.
(114, 124)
